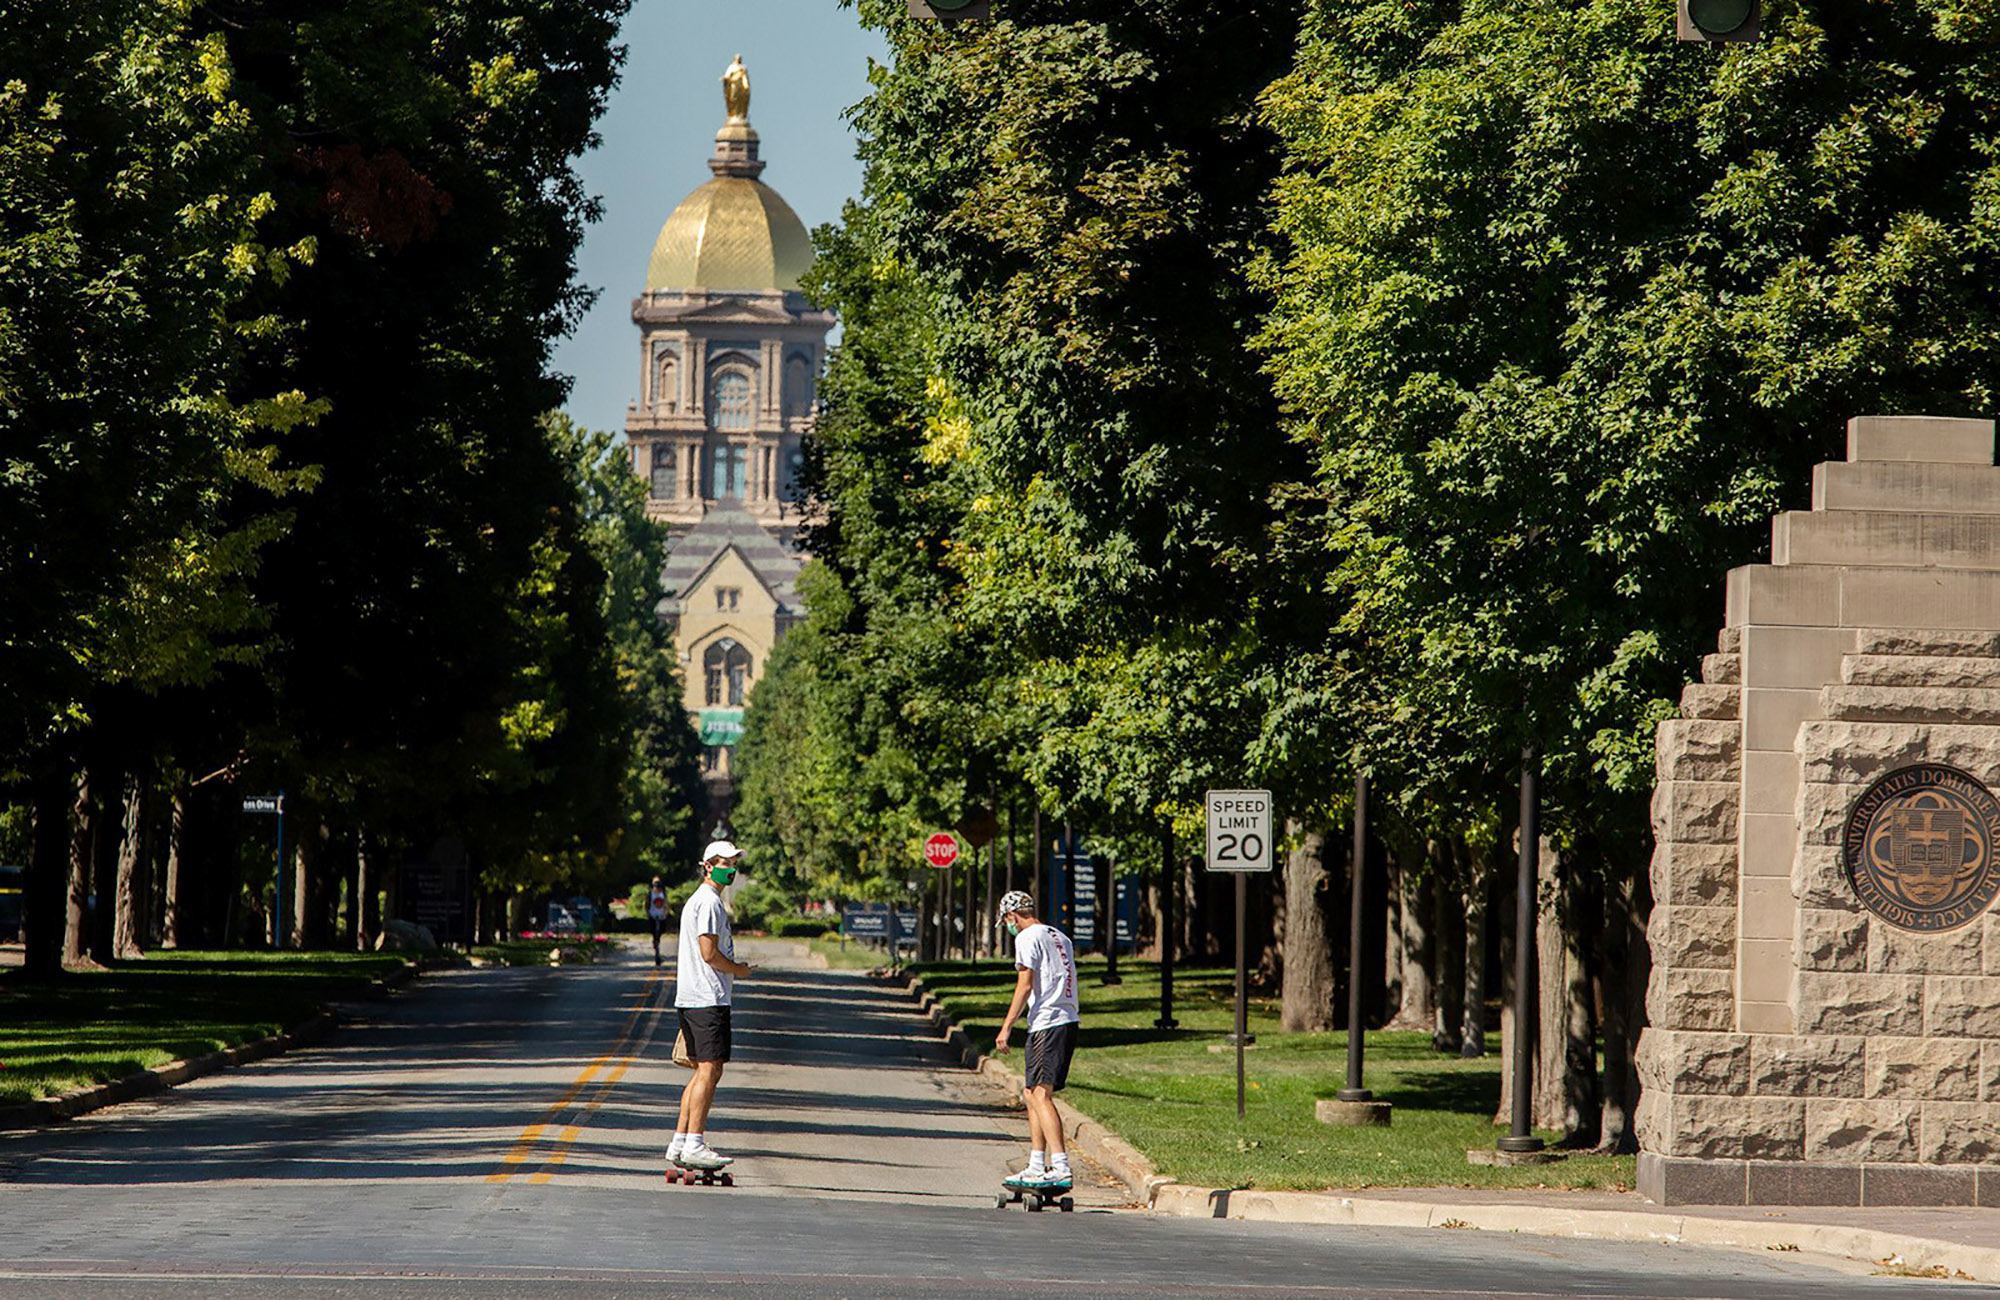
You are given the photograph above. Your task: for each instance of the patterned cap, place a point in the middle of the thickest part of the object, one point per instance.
(1018, 900)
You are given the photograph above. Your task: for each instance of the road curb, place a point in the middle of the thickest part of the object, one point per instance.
(1090, 1137)
(55, 1110)
(1871, 1245)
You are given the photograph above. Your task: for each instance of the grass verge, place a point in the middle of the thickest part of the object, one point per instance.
(851, 956)
(96, 1026)
(535, 952)
(1172, 1093)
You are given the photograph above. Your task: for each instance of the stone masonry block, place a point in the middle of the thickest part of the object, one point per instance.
(1770, 782)
(1861, 1131)
(1990, 927)
(1694, 875)
(1770, 843)
(1771, 595)
(1949, 644)
(1772, 715)
(1766, 1018)
(1794, 656)
(1989, 1070)
(1819, 879)
(1951, 705)
(1937, 439)
(1792, 1065)
(1933, 672)
(1693, 938)
(1962, 1006)
(1711, 1064)
(1826, 1003)
(1722, 669)
(1691, 999)
(1830, 940)
(1700, 700)
(1764, 969)
(1729, 640)
(1737, 1128)
(1847, 537)
(1765, 909)
(1854, 753)
(1897, 952)
(1822, 812)
(1695, 812)
(1652, 1117)
(1906, 486)
(1955, 598)
(1936, 1069)
(1959, 1133)
(1693, 749)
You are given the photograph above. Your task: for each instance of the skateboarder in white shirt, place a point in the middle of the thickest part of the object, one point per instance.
(1046, 986)
(703, 978)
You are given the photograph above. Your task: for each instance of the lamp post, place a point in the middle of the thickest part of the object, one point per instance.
(1520, 1140)
(1355, 1036)
(1169, 886)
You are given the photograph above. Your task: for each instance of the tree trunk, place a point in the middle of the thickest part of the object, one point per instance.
(1449, 910)
(1626, 967)
(1478, 890)
(45, 901)
(1565, 1057)
(76, 916)
(170, 891)
(365, 921)
(129, 887)
(106, 837)
(1306, 1000)
(1418, 1008)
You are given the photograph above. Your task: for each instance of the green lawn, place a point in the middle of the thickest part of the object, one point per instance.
(535, 952)
(854, 956)
(97, 1026)
(1173, 1094)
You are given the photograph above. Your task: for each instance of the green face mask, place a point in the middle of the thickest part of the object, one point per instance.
(1013, 931)
(722, 876)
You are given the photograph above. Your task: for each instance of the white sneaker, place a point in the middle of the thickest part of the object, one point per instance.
(1052, 1178)
(704, 1158)
(674, 1154)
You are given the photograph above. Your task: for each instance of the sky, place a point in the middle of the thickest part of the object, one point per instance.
(808, 62)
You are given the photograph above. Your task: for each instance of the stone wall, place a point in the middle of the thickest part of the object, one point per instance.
(1801, 1048)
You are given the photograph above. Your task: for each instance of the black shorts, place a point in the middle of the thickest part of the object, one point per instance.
(707, 1032)
(1049, 1051)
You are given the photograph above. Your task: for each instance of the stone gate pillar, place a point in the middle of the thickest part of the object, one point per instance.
(1825, 995)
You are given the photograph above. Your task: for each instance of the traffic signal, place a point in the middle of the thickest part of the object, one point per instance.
(950, 11)
(1709, 21)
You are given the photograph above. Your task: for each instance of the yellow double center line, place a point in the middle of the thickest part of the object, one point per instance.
(612, 1065)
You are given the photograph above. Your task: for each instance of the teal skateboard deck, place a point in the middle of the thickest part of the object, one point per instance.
(1035, 1199)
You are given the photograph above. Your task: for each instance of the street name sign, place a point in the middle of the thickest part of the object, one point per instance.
(1239, 830)
(941, 849)
(263, 803)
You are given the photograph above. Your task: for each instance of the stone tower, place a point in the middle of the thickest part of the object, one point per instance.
(1825, 994)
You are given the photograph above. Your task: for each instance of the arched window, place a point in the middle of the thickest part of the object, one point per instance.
(666, 384)
(663, 471)
(798, 388)
(725, 669)
(726, 471)
(731, 407)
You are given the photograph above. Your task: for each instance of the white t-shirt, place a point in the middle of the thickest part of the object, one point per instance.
(696, 983)
(1048, 952)
(656, 904)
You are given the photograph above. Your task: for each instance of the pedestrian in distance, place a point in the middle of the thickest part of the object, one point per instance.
(705, 973)
(1045, 985)
(656, 912)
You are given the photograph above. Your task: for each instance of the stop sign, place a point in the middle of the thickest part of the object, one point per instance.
(941, 850)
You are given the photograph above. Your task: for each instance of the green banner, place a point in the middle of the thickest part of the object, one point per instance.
(721, 726)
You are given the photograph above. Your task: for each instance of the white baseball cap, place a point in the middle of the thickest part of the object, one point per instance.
(720, 849)
(1017, 901)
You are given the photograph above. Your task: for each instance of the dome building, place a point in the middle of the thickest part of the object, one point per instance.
(729, 359)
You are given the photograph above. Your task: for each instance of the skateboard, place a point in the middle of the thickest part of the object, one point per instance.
(1036, 1199)
(699, 1177)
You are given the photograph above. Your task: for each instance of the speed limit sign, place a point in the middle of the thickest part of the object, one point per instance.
(1239, 830)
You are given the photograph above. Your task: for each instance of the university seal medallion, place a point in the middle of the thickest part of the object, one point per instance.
(1920, 846)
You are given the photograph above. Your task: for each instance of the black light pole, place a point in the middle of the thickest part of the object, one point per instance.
(1107, 918)
(1169, 886)
(1520, 1139)
(1355, 1037)
(1069, 878)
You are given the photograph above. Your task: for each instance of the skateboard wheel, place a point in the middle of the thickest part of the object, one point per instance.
(1001, 1200)
(1068, 1203)
(727, 1180)
(1034, 1204)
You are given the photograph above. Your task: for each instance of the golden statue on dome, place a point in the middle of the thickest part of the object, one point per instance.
(736, 91)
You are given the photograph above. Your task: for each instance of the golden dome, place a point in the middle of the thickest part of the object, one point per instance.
(732, 233)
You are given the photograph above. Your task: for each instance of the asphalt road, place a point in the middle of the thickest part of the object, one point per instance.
(499, 1133)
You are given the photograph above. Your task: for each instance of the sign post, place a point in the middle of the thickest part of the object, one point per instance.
(1239, 841)
(267, 805)
(940, 851)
